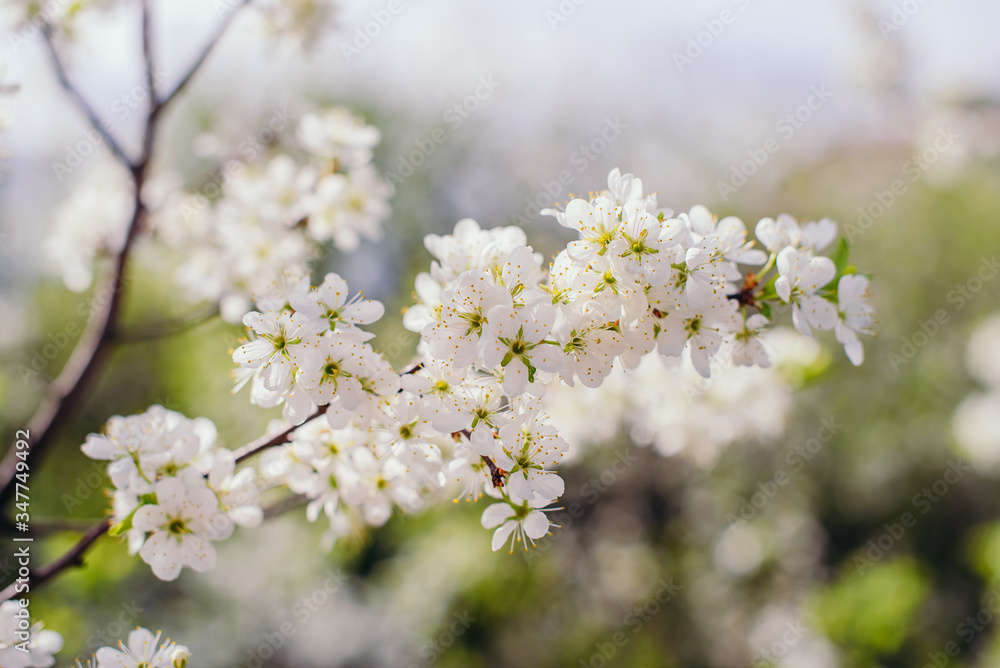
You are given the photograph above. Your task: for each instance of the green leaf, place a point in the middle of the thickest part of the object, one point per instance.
(768, 292)
(765, 309)
(841, 254)
(123, 526)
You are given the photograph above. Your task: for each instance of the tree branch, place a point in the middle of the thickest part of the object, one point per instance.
(147, 52)
(288, 503)
(167, 327)
(261, 444)
(81, 101)
(91, 352)
(85, 363)
(74, 557)
(41, 526)
(220, 31)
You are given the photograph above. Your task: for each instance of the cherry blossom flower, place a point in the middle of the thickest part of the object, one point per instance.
(33, 651)
(519, 523)
(182, 525)
(856, 315)
(144, 650)
(801, 275)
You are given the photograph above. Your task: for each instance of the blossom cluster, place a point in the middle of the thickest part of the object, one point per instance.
(309, 350)
(498, 329)
(677, 412)
(270, 220)
(236, 239)
(175, 491)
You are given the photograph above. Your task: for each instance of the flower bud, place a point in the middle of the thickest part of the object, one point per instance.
(180, 657)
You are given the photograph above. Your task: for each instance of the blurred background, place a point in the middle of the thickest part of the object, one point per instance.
(882, 545)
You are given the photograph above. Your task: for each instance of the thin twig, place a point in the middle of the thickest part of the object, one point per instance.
(69, 388)
(204, 54)
(251, 449)
(285, 505)
(415, 367)
(147, 52)
(73, 557)
(81, 101)
(167, 327)
(497, 474)
(41, 526)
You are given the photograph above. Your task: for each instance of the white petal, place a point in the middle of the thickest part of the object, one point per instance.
(495, 514)
(536, 524)
(163, 554)
(199, 553)
(501, 535)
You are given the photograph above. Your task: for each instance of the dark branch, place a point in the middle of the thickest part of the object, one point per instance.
(166, 328)
(74, 557)
(87, 360)
(285, 505)
(80, 101)
(261, 444)
(204, 53)
(147, 52)
(42, 526)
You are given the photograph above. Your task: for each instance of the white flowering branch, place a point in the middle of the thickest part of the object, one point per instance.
(74, 556)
